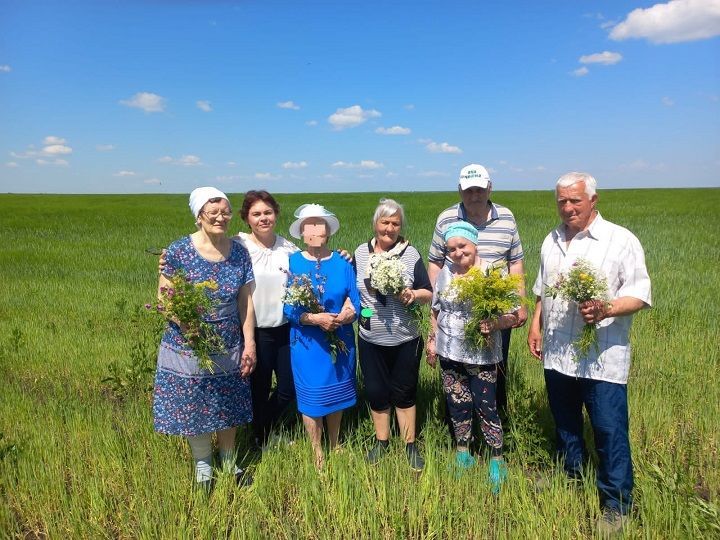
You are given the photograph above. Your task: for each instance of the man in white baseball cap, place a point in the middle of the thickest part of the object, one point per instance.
(498, 240)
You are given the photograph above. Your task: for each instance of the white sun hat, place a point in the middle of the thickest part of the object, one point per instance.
(473, 175)
(309, 211)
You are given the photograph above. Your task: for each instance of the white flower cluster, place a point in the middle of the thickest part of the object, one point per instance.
(387, 274)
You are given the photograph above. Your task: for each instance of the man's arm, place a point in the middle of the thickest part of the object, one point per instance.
(434, 271)
(518, 268)
(594, 311)
(535, 331)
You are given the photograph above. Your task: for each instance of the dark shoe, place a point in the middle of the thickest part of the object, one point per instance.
(416, 461)
(612, 522)
(377, 452)
(243, 478)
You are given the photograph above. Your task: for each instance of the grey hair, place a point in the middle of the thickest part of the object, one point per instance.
(568, 179)
(386, 208)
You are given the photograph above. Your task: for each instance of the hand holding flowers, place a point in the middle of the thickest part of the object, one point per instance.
(186, 303)
(586, 286)
(300, 291)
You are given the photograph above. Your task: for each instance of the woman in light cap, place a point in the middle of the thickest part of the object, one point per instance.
(189, 400)
(324, 378)
(469, 377)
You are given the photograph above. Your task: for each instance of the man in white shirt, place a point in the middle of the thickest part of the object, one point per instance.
(597, 379)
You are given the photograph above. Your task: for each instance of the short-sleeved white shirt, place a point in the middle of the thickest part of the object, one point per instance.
(270, 280)
(617, 253)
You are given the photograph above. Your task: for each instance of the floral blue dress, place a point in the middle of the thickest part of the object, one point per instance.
(187, 399)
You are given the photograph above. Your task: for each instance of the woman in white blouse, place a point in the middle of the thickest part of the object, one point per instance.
(269, 254)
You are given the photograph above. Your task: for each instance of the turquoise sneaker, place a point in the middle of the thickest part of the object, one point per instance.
(497, 473)
(464, 460)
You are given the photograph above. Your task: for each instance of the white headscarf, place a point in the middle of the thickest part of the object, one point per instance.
(201, 195)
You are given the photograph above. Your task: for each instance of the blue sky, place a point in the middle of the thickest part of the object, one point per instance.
(307, 96)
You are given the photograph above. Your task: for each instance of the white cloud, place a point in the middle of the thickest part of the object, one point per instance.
(581, 71)
(642, 165)
(288, 105)
(11, 164)
(204, 105)
(351, 117)
(266, 176)
(58, 162)
(672, 22)
(5, 68)
(433, 174)
(188, 160)
(146, 101)
(364, 164)
(392, 174)
(231, 163)
(124, 173)
(409, 107)
(294, 165)
(311, 123)
(57, 149)
(606, 58)
(52, 139)
(152, 181)
(228, 178)
(668, 102)
(442, 148)
(395, 130)
(104, 147)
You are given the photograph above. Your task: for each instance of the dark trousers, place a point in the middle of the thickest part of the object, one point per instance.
(502, 371)
(606, 404)
(273, 355)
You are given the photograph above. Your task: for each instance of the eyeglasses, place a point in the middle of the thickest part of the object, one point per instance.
(215, 215)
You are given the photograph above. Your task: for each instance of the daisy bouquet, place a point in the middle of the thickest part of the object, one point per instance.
(300, 291)
(489, 293)
(186, 303)
(582, 282)
(387, 276)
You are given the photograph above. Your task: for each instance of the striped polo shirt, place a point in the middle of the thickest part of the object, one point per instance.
(498, 238)
(391, 323)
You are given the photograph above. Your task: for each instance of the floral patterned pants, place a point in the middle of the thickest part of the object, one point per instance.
(471, 388)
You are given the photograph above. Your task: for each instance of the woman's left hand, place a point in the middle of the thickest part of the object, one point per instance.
(488, 326)
(248, 360)
(407, 296)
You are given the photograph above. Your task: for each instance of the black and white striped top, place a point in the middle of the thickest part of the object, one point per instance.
(391, 323)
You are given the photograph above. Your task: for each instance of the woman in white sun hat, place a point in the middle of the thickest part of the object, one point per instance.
(322, 345)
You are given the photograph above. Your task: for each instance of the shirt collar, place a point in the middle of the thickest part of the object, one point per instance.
(596, 230)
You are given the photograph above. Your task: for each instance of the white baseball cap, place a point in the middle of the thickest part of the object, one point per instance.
(313, 210)
(473, 175)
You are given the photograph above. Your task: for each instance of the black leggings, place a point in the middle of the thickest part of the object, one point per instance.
(390, 373)
(273, 355)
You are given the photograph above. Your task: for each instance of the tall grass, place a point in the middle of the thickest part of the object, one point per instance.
(78, 457)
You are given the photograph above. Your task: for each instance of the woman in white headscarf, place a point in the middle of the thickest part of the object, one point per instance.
(189, 400)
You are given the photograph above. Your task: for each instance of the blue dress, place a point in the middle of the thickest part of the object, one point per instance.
(187, 399)
(321, 386)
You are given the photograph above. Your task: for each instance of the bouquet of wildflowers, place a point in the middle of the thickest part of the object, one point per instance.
(185, 303)
(581, 283)
(299, 291)
(489, 293)
(387, 276)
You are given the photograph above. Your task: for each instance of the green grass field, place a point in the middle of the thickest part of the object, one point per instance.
(79, 458)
